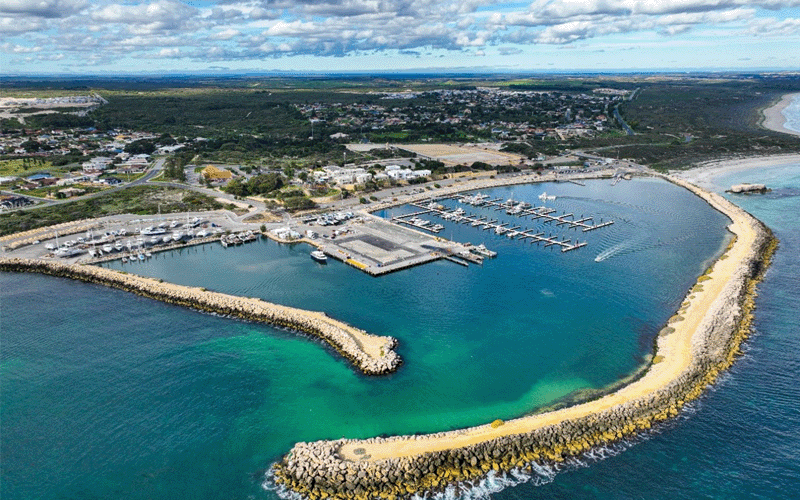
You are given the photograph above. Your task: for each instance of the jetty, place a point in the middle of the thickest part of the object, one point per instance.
(370, 354)
(697, 344)
(504, 228)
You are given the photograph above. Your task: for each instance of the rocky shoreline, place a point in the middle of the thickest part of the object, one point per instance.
(370, 354)
(700, 342)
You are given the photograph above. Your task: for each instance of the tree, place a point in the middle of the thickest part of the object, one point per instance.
(142, 146)
(237, 188)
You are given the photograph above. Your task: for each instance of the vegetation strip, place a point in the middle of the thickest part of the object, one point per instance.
(690, 354)
(371, 354)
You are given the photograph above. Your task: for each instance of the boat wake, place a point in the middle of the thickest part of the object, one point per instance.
(638, 245)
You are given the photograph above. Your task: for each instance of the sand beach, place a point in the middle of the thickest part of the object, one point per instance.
(774, 118)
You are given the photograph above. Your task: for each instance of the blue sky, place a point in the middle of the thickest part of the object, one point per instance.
(98, 37)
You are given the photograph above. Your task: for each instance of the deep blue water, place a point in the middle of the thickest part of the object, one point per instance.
(106, 395)
(741, 440)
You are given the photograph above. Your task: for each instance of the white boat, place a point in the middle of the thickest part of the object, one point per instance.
(141, 256)
(118, 246)
(545, 197)
(108, 248)
(482, 250)
(68, 252)
(319, 256)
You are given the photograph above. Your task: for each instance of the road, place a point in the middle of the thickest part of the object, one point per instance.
(47, 202)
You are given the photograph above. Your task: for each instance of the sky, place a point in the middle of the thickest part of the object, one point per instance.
(334, 36)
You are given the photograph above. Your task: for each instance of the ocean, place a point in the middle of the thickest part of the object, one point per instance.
(792, 114)
(108, 395)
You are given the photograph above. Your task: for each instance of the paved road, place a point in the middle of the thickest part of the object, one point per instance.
(47, 202)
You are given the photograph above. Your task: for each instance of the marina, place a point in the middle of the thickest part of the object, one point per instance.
(511, 207)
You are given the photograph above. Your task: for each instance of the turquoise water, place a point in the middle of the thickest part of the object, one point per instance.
(109, 395)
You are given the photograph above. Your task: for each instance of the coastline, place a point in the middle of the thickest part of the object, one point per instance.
(699, 342)
(773, 118)
(703, 173)
(373, 467)
(370, 354)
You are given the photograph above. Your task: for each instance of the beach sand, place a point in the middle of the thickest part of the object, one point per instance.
(773, 116)
(705, 173)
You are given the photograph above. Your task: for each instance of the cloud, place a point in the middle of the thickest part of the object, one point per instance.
(163, 15)
(42, 8)
(14, 26)
(219, 30)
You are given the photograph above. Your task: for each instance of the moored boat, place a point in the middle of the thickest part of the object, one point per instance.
(319, 256)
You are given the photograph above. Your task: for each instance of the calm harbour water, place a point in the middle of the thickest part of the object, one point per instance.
(109, 395)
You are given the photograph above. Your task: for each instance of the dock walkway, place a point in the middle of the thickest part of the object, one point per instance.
(514, 232)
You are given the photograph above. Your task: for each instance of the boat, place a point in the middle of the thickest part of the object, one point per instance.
(66, 253)
(118, 246)
(319, 256)
(545, 197)
(108, 248)
(148, 254)
(141, 256)
(482, 250)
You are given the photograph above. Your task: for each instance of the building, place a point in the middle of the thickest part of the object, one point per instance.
(213, 173)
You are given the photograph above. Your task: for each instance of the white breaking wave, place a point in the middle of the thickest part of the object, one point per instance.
(494, 482)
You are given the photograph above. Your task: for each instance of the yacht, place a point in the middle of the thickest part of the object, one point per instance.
(545, 197)
(319, 256)
(482, 250)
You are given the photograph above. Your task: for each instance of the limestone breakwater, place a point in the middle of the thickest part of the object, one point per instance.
(700, 341)
(371, 354)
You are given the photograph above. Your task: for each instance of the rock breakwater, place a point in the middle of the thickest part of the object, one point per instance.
(701, 342)
(371, 354)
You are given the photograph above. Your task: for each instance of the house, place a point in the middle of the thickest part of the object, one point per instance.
(70, 192)
(213, 173)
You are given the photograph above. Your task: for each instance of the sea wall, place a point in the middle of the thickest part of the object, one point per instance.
(371, 354)
(700, 341)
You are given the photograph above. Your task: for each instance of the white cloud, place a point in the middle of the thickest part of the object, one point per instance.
(42, 8)
(258, 29)
(163, 15)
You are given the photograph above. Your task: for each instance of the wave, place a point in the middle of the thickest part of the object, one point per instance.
(494, 482)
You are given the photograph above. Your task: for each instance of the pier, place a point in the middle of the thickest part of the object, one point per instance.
(505, 228)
